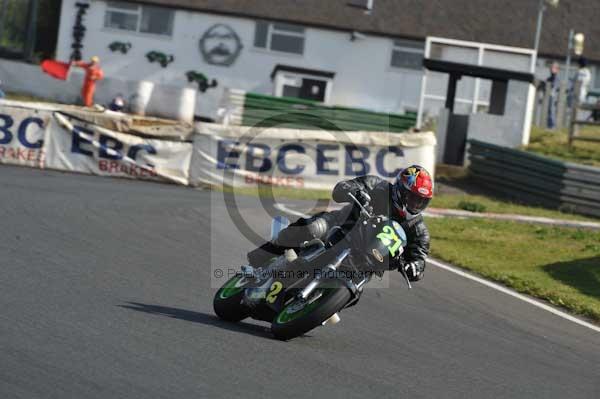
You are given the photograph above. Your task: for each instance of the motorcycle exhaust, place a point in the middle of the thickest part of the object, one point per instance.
(333, 319)
(333, 266)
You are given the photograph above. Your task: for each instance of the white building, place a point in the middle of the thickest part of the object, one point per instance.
(357, 53)
(337, 67)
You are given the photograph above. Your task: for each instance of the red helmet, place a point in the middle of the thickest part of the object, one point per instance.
(412, 190)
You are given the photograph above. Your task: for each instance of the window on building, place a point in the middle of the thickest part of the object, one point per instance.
(407, 55)
(156, 20)
(122, 16)
(137, 18)
(277, 36)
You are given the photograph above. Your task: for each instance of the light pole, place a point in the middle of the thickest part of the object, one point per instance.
(569, 50)
(575, 45)
(540, 18)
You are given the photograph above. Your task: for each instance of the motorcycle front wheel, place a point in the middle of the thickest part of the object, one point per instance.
(299, 317)
(227, 302)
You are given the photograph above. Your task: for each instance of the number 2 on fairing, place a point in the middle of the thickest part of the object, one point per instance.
(273, 291)
(390, 239)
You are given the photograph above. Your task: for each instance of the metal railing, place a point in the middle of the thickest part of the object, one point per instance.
(583, 114)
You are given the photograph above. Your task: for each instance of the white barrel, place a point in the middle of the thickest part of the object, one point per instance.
(139, 100)
(187, 105)
(173, 102)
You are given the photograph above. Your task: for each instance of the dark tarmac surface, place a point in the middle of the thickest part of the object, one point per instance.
(106, 293)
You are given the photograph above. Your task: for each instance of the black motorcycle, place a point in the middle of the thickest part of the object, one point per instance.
(297, 292)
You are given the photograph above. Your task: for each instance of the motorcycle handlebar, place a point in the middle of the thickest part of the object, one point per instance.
(362, 207)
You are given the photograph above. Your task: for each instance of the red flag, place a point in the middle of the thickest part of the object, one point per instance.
(56, 69)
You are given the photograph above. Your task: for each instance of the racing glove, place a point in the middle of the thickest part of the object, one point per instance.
(414, 270)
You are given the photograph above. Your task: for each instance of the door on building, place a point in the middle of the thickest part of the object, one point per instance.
(313, 89)
(305, 88)
(308, 84)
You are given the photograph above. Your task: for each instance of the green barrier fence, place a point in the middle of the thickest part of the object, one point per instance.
(304, 114)
(535, 179)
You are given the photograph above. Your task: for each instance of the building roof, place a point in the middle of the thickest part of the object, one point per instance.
(506, 22)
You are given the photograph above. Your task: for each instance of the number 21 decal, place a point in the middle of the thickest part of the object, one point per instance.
(390, 239)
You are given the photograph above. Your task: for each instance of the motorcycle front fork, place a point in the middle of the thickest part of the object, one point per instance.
(332, 267)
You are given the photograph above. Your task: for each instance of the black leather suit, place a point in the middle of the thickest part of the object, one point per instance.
(379, 190)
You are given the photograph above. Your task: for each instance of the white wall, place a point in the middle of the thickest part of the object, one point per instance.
(507, 130)
(363, 78)
(29, 79)
(161, 100)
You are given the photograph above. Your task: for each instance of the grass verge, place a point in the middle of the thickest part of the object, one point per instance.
(560, 265)
(554, 144)
(486, 204)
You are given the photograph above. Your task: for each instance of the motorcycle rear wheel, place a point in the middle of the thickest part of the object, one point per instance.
(297, 318)
(227, 302)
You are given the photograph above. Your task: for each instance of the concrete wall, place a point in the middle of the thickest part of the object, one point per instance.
(508, 130)
(363, 78)
(441, 133)
(165, 101)
(29, 79)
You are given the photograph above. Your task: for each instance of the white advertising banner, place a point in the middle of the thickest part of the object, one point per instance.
(22, 136)
(245, 156)
(77, 146)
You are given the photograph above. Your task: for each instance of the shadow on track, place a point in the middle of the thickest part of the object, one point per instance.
(581, 274)
(199, 317)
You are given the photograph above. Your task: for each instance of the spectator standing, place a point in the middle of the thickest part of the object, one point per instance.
(93, 73)
(585, 77)
(2, 94)
(553, 88)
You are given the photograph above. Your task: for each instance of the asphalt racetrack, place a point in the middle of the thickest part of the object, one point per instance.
(106, 293)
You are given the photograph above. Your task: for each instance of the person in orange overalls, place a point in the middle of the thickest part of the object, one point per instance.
(93, 73)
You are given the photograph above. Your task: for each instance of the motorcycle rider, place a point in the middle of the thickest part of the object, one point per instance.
(403, 201)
